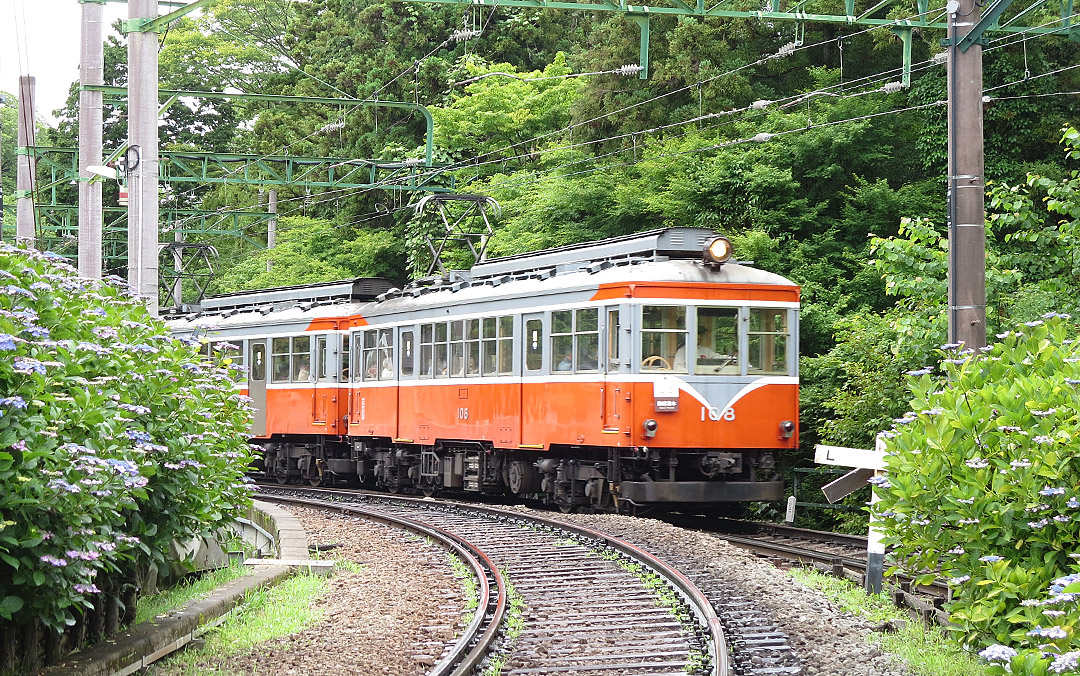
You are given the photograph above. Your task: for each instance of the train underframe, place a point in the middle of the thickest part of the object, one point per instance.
(567, 477)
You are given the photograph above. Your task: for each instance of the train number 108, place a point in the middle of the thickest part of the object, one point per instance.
(714, 413)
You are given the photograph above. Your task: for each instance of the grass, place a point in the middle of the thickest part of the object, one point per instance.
(515, 622)
(266, 614)
(927, 651)
(187, 590)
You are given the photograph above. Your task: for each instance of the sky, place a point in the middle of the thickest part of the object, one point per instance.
(41, 38)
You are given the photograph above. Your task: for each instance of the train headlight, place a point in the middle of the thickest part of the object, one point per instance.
(787, 429)
(650, 426)
(717, 250)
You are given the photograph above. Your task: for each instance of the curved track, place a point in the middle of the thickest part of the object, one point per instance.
(591, 603)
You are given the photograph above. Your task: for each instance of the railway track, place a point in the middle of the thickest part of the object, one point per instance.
(839, 554)
(590, 603)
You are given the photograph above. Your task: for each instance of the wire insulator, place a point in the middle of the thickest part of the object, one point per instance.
(892, 87)
(787, 50)
(463, 35)
(628, 69)
(761, 104)
(762, 137)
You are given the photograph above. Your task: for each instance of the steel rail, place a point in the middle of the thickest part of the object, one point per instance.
(476, 641)
(692, 595)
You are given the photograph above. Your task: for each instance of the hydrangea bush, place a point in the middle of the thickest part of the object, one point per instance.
(116, 440)
(983, 489)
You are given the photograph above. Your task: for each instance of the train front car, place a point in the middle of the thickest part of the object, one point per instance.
(642, 369)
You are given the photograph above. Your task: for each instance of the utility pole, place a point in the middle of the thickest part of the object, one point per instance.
(24, 180)
(91, 72)
(967, 218)
(271, 227)
(142, 156)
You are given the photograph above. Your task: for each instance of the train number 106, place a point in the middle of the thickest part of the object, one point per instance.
(463, 414)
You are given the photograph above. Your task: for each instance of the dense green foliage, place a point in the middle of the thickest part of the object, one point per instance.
(116, 440)
(981, 484)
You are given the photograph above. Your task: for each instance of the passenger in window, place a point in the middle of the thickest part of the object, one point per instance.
(281, 369)
(302, 371)
(566, 363)
(588, 360)
(387, 369)
(704, 351)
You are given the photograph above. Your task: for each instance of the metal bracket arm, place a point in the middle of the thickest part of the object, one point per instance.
(989, 18)
(155, 25)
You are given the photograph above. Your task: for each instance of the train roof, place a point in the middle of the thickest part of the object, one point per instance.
(667, 255)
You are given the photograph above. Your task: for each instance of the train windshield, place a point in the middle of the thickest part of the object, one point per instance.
(711, 340)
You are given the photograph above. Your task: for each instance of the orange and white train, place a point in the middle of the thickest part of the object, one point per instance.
(642, 369)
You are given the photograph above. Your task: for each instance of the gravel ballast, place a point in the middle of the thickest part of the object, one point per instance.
(394, 616)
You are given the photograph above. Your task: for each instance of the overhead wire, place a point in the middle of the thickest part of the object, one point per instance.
(471, 162)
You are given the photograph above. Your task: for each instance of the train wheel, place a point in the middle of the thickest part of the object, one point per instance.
(429, 491)
(281, 478)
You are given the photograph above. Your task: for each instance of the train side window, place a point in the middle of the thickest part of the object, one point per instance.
(345, 354)
(358, 355)
(716, 346)
(663, 334)
(613, 340)
(472, 347)
(386, 354)
(280, 354)
(457, 349)
(587, 339)
(407, 353)
(379, 354)
(490, 346)
(258, 361)
(534, 344)
(562, 340)
(235, 351)
(322, 358)
(767, 340)
(427, 350)
(441, 350)
(301, 359)
(506, 344)
(371, 355)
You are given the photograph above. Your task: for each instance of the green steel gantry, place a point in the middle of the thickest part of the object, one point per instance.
(844, 12)
(58, 221)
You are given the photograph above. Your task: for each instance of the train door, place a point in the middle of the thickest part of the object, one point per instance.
(374, 405)
(534, 400)
(616, 389)
(257, 385)
(356, 406)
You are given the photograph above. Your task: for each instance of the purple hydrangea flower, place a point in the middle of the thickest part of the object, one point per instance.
(998, 653)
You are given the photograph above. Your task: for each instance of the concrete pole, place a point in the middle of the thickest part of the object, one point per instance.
(271, 227)
(967, 219)
(24, 203)
(143, 157)
(91, 72)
